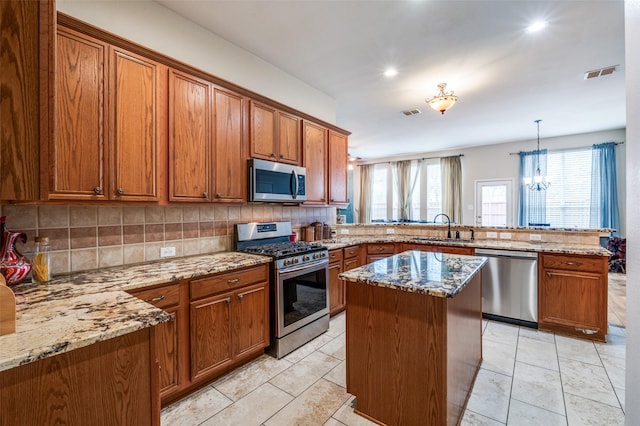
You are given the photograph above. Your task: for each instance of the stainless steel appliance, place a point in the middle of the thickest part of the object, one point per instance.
(276, 182)
(510, 286)
(299, 283)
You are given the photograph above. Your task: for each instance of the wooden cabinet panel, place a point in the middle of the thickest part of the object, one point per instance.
(189, 138)
(228, 281)
(381, 248)
(335, 255)
(27, 34)
(251, 319)
(467, 251)
(230, 157)
(78, 152)
(314, 158)
(338, 158)
(337, 294)
(288, 138)
(351, 263)
(572, 300)
(210, 335)
(161, 297)
(351, 251)
(133, 136)
(373, 257)
(263, 126)
(165, 339)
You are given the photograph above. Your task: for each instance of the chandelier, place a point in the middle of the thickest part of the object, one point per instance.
(537, 182)
(442, 101)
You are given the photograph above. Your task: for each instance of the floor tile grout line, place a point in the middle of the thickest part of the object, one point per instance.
(513, 373)
(540, 408)
(564, 399)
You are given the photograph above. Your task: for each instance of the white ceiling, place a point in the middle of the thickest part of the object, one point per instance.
(505, 77)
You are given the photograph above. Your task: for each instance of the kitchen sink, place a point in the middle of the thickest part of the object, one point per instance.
(448, 240)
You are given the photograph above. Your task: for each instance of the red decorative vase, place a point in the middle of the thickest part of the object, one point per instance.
(13, 265)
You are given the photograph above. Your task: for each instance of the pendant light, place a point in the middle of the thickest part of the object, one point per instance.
(537, 182)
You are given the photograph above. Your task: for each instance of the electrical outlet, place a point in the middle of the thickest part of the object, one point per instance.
(505, 235)
(535, 237)
(492, 234)
(344, 231)
(391, 231)
(167, 251)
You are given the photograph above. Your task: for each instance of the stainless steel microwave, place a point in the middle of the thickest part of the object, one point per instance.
(276, 182)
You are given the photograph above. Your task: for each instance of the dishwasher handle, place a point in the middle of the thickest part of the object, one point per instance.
(507, 253)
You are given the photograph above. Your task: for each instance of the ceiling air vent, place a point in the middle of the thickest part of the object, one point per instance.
(599, 72)
(409, 112)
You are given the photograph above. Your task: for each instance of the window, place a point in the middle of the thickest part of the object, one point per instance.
(568, 199)
(426, 201)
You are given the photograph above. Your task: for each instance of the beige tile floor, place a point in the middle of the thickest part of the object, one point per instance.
(527, 378)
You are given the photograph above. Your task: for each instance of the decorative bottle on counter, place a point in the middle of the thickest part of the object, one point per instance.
(13, 265)
(41, 267)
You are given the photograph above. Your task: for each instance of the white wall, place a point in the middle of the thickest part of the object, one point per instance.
(156, 27)
(494, 162)
(632, 74)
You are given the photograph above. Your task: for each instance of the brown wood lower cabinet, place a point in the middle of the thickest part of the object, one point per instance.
(412, 358)
(572, 292)
(229, 320)
(336, 285)
(108, 383)
(469, 251)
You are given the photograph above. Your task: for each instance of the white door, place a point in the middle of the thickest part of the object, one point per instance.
(494, 205)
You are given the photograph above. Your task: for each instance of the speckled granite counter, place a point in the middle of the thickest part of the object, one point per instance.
(591, 250)
(435, 274)
(80, 309)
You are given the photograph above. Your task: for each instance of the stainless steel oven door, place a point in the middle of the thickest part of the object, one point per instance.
(302, 296)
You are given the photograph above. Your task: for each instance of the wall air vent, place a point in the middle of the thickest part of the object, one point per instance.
(409, 112)
(600, 72)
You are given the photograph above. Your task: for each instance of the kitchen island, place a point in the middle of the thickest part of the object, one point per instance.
(414, 336)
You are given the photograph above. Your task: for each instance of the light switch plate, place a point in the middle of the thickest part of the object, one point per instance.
(505, 235)
(391, 231)
(167, 251)
(492, 234)
(344, 231)
(535, 237)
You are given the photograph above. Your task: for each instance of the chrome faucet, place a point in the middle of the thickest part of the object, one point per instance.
(448, 223)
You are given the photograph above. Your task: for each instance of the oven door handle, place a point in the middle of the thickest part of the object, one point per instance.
(307, 268)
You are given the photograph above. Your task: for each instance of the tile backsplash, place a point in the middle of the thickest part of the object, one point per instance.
(90, 237)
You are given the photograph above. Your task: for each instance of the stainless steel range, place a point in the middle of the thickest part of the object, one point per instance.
(299, 283)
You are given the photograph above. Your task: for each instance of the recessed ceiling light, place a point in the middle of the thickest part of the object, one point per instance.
(390, 72)
(536, 26)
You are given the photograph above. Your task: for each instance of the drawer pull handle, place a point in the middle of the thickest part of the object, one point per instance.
(549, 274)
(228, 300)
(154, 299)
(235, 280)
(240, 296)
(380, 248)
(571, 263)
(587, 331)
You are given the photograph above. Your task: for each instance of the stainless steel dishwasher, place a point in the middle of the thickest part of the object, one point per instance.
(510, 286)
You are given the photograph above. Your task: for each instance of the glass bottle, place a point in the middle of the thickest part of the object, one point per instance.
(41, 271)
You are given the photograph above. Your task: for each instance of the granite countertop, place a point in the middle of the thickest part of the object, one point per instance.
(434, 274)
(80, 309)
(592, 250)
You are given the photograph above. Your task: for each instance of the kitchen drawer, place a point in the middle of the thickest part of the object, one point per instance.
(380, 248)
(574, 263)
(160, 297)
(228, 281)
(351, 251)
(335, 255)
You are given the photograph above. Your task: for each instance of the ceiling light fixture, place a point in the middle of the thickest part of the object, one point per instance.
(442, 101)
(536, 26)
(390, 72)
(537, 182)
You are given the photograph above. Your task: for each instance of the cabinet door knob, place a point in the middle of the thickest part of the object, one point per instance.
(323, 199)
(549, 274)
(97, 190)
(281, 155)
(205, 194)
(120, 191)
(240, 296)
(332, 200)
(218, 195)
(228, 300)
(273, 154)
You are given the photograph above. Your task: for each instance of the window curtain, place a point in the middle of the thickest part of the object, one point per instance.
(604, 211)
(532, 205)
(451, 172)
(405, 184)
(366, 192)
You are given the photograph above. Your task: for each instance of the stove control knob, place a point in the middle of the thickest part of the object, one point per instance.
(296, 260)
(287, 262)
(316, 255)
(306, 258)
(323, 254)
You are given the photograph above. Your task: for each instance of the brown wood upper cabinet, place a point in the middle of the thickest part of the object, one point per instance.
(314, 145)
(338, 158)
(275, 134)
(107, 130)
